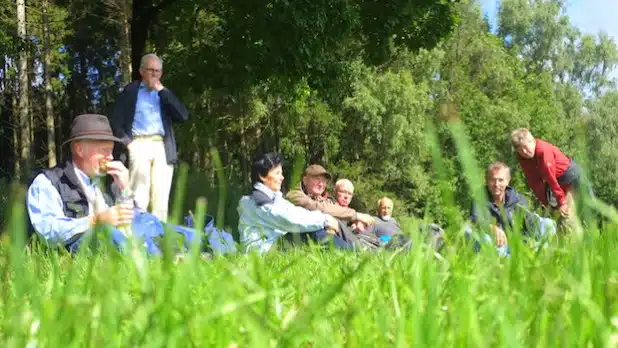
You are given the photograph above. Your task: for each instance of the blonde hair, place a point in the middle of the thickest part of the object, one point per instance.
(520, 136)
(385, 200)
(496, 166)
(343, 182)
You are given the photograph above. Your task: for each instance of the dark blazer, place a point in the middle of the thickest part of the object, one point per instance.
(172, 110)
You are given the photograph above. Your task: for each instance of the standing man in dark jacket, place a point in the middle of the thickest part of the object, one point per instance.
(143, 119)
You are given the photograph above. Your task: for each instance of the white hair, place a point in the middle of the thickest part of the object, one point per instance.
(343, 182)
(149, 56)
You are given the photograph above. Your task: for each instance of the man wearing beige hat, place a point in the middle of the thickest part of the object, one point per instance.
(310, 195)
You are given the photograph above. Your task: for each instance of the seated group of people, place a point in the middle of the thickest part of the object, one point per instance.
(308, 212)
(67, 202)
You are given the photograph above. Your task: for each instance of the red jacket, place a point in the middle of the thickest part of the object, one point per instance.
(546, 166)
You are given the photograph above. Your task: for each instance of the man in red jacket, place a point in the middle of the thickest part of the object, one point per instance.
(552, 175)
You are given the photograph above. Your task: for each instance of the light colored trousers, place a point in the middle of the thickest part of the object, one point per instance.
(569, 222)
(150, 175)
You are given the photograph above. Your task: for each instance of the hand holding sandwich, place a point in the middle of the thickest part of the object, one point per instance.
(118, 171)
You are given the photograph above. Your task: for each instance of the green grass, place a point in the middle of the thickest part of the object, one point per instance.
(563, 294)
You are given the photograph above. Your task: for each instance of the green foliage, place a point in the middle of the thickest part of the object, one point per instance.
(354, 85)
(383, 136)
(602, 131)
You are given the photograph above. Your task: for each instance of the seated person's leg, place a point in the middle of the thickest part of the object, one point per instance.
(485, 239)
(115, 235)
(322, 237)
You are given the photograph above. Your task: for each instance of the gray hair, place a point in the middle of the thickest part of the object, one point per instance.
(343, 182)
(520, 136)
(148, 56)
(498, 166)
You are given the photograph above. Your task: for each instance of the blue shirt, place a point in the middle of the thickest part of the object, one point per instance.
(45, 208)
(147, 119)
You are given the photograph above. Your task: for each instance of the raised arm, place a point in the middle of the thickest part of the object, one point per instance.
(300, 199)
(177, 110)
(287, 217)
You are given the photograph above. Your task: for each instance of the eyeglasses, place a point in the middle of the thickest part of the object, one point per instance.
(153, 71)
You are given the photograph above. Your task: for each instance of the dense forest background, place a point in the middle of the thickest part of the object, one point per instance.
(356, 85)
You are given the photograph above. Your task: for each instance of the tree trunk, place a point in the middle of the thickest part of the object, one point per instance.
(24, 116)
(144, 14)
(49, 107)
(15, 130)
(125, 55)
(196, 145)
(139, 34)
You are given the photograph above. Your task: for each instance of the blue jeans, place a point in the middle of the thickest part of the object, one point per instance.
(146, 227)
(502, 251)
(320, 237)
(546, 227)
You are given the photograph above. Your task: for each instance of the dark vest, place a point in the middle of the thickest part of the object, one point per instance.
(74, 201)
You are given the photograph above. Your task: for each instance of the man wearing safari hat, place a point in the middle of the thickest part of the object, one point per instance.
(64, 202)
(310, 195)
(69, 200)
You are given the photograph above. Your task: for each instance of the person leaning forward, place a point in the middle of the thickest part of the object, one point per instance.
(142, 119)
(553, 177)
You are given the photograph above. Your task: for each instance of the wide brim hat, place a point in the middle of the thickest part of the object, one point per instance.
(91, 127)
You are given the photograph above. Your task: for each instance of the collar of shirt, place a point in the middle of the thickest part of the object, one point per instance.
(265, 189)
(90, 182)
(83, 176)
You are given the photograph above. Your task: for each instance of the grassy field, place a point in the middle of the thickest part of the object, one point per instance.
(561, 294)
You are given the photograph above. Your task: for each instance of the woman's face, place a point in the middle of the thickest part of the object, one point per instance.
(274, 178)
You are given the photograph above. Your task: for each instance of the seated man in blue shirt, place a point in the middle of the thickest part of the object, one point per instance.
(67, 201)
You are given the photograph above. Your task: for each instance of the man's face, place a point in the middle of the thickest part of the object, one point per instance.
(344, 195)
(315, 184)
(385, 209)
(151, 70)
(91, 153)
(497, 181)
(526, 149)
